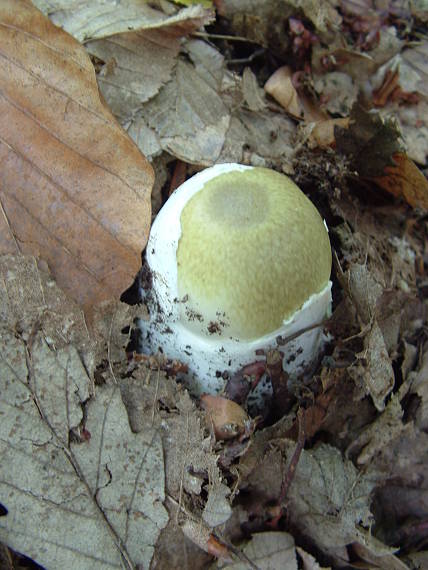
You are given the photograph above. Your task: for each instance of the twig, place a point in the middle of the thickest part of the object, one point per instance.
(248, 59)
(224, 37)
(282, 340)
(289, 476)
(156, 396)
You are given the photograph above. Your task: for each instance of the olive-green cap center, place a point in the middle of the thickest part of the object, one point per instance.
(253, 249)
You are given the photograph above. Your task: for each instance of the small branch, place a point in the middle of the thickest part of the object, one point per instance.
(248, 59)
(224, 37)
(282, 340)
(289, 476)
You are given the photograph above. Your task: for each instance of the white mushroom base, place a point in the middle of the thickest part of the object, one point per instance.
(207, 357)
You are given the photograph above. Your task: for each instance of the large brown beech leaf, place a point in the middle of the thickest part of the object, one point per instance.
(74, 189)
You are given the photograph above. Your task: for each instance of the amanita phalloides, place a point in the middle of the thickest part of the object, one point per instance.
(239, 257)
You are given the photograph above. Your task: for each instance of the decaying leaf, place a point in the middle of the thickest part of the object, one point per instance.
(337, 91)
(137, 64)
(381, 560)
(259, 139)
(374, 146)
(28, 295)
(379, 434)
(190, 460)
(68, 458)
(217, 509)
(188, 115)
(252, 93)
(419, 386)
(328, 498)
(309, 562)
(268, 550)
(377, 373)
(102, 18)
(75, 189)
(201, 534)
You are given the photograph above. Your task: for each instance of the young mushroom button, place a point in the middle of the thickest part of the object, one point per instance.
(239, 256)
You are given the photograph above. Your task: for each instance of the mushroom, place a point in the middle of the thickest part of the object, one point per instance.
(240, 258)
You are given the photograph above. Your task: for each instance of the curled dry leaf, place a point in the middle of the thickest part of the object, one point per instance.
(281, 88)
(75, 189)
(322, 133)
(227, 418)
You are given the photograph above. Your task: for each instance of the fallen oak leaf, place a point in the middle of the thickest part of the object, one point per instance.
(75, 189)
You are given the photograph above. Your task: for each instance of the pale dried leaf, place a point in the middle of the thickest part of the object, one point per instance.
(269, 550)
(365, 291)
(328, 499)
(144, 137)
(28, 294)
(208, 61)
(260, 139)
(414, 69)
(189, 458)
(379, 434)
(382, 560)
(387, 47)
(75, 189)
(71, 460)
(376, 373)
(252, 93)
(337, 91)
(217, 509)
(419, 386)
(102, 18)
(189, 116)
(413, 121)
(309, 562)
(136, 66)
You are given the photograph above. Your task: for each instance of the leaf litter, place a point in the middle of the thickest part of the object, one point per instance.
(139, 454)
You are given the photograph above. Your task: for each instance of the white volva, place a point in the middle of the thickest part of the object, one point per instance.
(239, 257)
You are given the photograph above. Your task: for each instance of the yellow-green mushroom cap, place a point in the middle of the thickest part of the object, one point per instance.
(253, 249)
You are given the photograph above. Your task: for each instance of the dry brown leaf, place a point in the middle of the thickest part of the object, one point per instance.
(376, 152)
(75, 189)
(322, 134)
(405, 180)
(281, 88)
